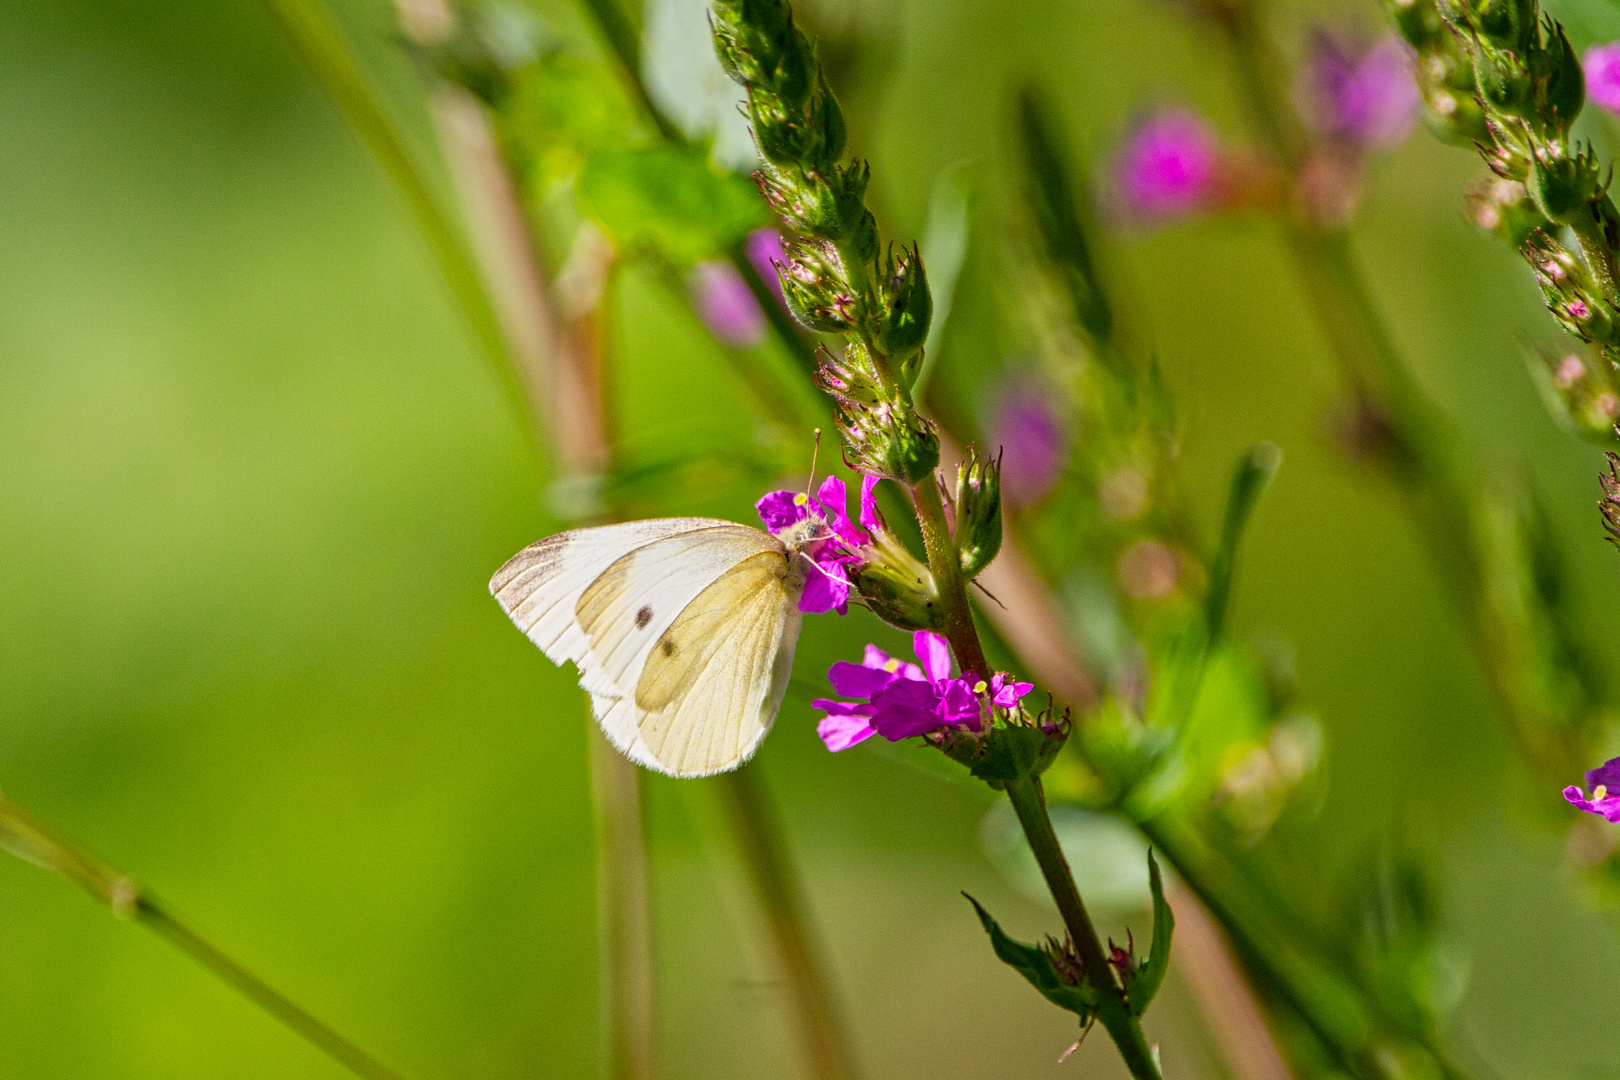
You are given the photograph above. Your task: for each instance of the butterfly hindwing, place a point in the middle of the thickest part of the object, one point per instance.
(713, 683)
(631, 604)
(682, 629)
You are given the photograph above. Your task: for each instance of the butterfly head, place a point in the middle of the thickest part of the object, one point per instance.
(808, 529)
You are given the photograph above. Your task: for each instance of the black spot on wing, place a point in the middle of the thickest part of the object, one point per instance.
(668, 645)
(643, 617)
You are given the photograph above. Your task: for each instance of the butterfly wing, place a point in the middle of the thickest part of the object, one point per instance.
(682, 629)
(540, 586)
(711, 686)
(636, 599)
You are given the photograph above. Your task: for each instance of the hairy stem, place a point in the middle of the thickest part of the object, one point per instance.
(27, 838)
(1030, 804)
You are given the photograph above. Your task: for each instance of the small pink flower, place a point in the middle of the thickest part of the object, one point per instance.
(835, 553)
(902, 700)
(1602, 68)
(1367, 97)
(764, 249)
(726, 304)
(1031, 441)
(1167, 166)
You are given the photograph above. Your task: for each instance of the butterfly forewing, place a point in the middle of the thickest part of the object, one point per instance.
(540, 586)
(713, 683)
(628, 608)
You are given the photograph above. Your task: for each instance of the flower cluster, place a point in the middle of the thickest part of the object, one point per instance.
(899, 700)
(1604, 799)
(836, 546)
(1363, 97)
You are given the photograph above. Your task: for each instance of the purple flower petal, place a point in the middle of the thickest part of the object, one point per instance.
(1167, 166)
(1602, 66)
(877, 659)
(764, 250)
(934, 652)
(843, 732)
(898, 721)
(858, 680)
(726, 304)
(1032, 443)
(834, 500)
(1366, 97)
(780, 509)
(826, 588)
(1606, 774)
(871, 518)
(1004, 692)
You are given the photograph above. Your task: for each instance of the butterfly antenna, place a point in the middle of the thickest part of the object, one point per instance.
(815, 452)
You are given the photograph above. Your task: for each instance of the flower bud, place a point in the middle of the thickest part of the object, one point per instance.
(804, 202)
(978, 512)
(1563, 187)
(1563, 84)
(1503, 207)
(883, 433)
(795, 77)
(815, 287)
(1571, 294)
(910, 306)
(899, 589)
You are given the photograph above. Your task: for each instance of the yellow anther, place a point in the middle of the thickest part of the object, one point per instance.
(891, 666)
(980, 686)
(1599, 792)
(800, 499)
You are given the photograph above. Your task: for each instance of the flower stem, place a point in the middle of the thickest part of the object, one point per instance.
(1030, 804)
(944, 563)
(758, 830)
(28, 839)
(1027, 799)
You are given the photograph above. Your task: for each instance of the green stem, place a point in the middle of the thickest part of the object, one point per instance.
(1027, 798)
(1030, 804)
(946, 567)
(758, 830)
(28, 839)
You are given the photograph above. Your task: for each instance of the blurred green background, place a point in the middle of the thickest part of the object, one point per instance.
(255, 477)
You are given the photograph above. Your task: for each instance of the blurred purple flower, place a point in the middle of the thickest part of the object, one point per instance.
(726, 305)
(903, 700)
(1605, 797)
(1167, 167)
(836, 542)
(1031, 442)
(1602, 68)
(764, 248)
(1366, 97)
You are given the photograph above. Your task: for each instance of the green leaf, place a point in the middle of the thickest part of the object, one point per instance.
(563, 110)
(668, 200)
(1143, 984)
(1035, 966)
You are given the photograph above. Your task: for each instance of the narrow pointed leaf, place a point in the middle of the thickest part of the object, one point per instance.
(1035, 966)
(1147, 979)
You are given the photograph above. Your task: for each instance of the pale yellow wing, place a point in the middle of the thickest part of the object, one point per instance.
(635, 599)
(713, 682)
(540, 586)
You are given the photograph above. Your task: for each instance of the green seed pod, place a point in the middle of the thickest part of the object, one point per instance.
(978, 512)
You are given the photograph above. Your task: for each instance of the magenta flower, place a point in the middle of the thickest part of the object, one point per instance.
(1168, 165)
(1032, 444)
(726, 305)
(836, 543)
(1602, 67)
(1366, 97)
(902, 700)
(1605, 797)
(764, 248)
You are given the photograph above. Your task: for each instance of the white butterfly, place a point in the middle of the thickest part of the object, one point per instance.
(682, 629)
